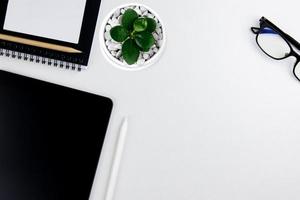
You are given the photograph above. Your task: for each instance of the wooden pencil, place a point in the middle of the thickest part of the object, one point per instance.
(38, 44)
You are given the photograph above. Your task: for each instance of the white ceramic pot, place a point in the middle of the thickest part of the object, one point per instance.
(112, 50)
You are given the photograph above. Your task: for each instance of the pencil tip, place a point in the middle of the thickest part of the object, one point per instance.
(76, 51)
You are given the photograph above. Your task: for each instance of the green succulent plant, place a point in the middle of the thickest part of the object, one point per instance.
(135, 34)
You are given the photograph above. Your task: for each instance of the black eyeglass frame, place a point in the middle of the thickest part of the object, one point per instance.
(265, 23)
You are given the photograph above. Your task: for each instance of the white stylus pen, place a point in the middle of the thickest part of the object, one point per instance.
(116, 160)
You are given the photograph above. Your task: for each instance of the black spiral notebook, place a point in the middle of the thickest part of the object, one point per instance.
(67, 23)
(50, 139)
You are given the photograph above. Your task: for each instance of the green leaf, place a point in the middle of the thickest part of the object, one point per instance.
(140, 24)
(119, 33)
(128, 19)
(144, 40)
(151, 25)
(130, 51)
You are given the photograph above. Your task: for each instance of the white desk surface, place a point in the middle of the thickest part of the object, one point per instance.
(214, 119)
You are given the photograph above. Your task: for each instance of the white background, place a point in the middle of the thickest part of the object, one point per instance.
(214, 119)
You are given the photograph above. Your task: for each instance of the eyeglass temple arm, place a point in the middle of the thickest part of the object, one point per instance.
(288, 37)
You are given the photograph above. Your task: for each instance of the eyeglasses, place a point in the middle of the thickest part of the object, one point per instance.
(276, 43)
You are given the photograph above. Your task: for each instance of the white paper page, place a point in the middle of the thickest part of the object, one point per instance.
(55, 19)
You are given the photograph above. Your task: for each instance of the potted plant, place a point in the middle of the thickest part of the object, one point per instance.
(132, 37)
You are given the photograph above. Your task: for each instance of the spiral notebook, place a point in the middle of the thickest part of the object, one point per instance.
(50, 139)
(52, 32)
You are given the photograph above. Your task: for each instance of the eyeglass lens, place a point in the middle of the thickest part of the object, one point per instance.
(297, 70)
(273, 44)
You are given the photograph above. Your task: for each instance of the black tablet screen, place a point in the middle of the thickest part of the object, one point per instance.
(50, 139)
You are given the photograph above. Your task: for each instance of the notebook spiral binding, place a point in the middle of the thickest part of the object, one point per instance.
(40, 59)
